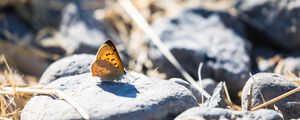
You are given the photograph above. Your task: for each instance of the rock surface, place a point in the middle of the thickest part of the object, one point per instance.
(214, 38)
(143, 98)
(70, 27)
(79, 31)
(202, 113)
(13, 28)
(218, 98)
(208, 85)
(50, 13)
(277, 19)
(68, 66)
(270, 85)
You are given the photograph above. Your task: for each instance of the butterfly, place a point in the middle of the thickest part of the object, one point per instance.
(108, 65)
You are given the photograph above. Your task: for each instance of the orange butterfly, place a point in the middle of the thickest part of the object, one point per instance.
(108, 64)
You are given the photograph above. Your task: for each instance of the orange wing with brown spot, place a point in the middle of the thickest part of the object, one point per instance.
(108, 63)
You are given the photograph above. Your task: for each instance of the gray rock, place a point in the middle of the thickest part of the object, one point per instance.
(277, 19)
(68, 66)
(208, 85)
(202, 113)
(214, 38)
(79, 31)
(13, 28)
(74, 28)
(194, 90)
(142, 98)
(41, 13)
(269, 86)
(218, 98)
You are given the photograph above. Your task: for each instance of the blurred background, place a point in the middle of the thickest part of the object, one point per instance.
(35, 33)
(231, 37)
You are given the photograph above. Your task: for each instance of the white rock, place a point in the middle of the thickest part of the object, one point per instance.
(145, 98)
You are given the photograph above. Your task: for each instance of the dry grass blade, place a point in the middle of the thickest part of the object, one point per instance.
(13, 91)
(227, 94)
(140, 21)
(276, 99)
(200, 79)
(84, 114)
(254, 81)
(279, 67)
(9, 105)
(249, 98)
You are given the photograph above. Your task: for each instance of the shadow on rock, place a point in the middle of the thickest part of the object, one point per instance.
(119, 89)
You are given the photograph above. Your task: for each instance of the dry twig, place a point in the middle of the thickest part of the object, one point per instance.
(227, 94)
(276, 99)
(13, 91)
(200, 79)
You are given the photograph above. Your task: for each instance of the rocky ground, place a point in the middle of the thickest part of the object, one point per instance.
(250, 50)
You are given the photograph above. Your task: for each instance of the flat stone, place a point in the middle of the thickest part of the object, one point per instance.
(141, 98)
(267, 86)
(203, 113)
(212, 37)
(68, 66)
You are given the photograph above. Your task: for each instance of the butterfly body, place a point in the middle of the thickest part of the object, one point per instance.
(108, 64)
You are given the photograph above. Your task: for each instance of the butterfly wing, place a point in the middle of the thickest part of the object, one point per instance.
(108, 63)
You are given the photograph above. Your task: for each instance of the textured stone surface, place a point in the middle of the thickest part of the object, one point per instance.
(67, 26)
(277, 19)
(202, 113)
(270, 85)
(194, 90)
(214, 38)
(68, 66)
(79, 31)
(142, 98)
(218, 97)
(208, 85)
